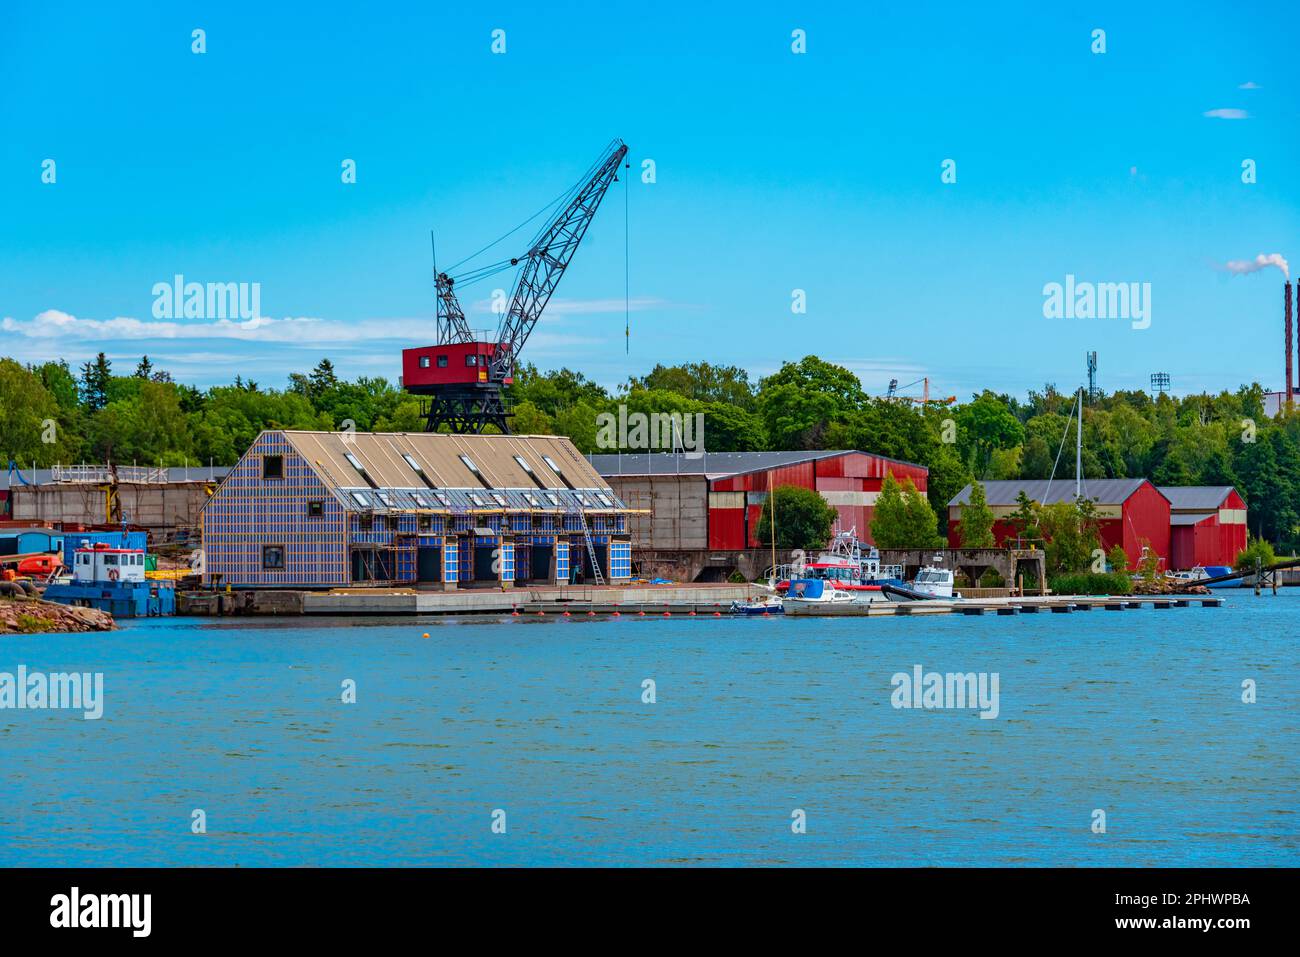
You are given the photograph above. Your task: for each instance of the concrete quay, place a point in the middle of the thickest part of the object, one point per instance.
(577, 599)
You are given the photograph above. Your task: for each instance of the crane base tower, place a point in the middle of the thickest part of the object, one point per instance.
(466, 412)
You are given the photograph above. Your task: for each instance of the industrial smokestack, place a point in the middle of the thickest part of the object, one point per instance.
(1286, 297)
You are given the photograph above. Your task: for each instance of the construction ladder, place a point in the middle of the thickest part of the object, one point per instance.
(591, 548)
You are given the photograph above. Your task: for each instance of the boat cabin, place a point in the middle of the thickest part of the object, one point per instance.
(102, 563)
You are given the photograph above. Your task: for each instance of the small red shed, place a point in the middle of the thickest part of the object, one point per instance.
(1208, 525)
(1129, 510)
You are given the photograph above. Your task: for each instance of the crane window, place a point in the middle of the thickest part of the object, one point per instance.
(471, 360)
(442, 362)
(424, 362)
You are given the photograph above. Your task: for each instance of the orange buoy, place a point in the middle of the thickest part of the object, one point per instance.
(641, 613)
(591, 614)
(426, 634)
(617, 615)
(668, 614)
(691, 613)
(566, 614)
(717, 614)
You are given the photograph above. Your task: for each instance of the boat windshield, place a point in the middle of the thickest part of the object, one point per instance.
(837, 573)
(932, 576)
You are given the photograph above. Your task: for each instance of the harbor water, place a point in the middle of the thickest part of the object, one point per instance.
(768, 742)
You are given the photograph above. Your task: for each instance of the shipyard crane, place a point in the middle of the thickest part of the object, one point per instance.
(463, 375)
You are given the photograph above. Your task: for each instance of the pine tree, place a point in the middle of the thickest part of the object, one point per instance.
(922, 522)
(889, 517)
(95, 377)
(145, 369)
(322, 378)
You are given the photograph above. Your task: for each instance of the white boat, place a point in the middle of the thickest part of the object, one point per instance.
(818, 591)
(932, 581)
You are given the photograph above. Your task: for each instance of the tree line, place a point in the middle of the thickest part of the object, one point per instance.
(1225, 439)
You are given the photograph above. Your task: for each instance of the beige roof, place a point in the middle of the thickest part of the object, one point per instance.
(438, 454)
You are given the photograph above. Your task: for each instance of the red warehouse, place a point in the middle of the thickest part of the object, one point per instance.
(699, 512)
(1129, 510)
(1209, 525)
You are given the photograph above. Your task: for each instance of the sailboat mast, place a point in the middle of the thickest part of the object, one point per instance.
(771, 497)
(1078, 452)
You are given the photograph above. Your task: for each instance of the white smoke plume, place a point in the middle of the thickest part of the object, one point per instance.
(1242, 266)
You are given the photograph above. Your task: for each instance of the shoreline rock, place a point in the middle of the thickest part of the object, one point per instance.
(27, 616)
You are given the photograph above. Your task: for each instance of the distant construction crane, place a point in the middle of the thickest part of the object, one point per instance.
(463, 375)
(924, 399)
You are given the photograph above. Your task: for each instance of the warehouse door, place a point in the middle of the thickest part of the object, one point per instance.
(428, 564)
(484, 556)
(539, 568)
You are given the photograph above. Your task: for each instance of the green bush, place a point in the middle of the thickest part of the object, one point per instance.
(1256, 550)
(1083, 583)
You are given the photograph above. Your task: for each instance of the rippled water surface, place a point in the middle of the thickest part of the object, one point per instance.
(1137, 713)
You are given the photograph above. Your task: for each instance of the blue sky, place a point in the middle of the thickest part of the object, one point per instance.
(775, 172)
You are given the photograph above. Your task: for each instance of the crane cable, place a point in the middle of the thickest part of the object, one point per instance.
(627, 281)
(565, 195)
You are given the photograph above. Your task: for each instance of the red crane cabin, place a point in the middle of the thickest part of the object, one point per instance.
(459, 363)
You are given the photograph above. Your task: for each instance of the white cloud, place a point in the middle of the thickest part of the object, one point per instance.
(1227, 114)
(52, 324)
(1248, 85)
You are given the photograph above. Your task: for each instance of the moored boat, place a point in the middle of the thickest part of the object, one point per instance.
(113, 580)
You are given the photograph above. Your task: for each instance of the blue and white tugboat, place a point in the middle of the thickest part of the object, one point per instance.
(113, 580)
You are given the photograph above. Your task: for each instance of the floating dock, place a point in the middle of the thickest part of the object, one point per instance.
(635, 600)
(1029, 605)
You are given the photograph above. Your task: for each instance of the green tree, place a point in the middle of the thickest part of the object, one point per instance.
(803, 518)
(95, 377)
(30, 431)
(902, 518)
(554, 392)
(976, 525)
(700, 381)
(1072, 535)
(1024, 518)
(1257, 554)
(729, 428)
(1117, 558)
(984, 426)
(530, 420)
(798, 402)
(578, 422)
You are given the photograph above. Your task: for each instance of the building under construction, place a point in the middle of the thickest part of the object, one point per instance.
(166, 502)
(330, 509)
